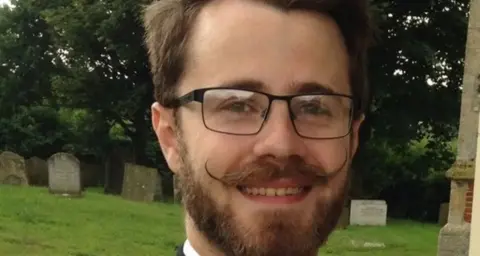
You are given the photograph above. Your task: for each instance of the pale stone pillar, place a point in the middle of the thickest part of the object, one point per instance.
(475, 226)
(454, 237)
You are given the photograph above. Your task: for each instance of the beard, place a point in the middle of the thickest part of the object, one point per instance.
(272, 233)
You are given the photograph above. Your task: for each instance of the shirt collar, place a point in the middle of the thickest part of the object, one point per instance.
(188, 249)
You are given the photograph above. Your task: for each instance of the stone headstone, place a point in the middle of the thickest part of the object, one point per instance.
(139, 183)
(443, 214)
(368, 213)
(12, 169)
(64, 175)
(37, 171)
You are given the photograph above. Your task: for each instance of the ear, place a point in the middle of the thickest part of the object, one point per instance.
(163, 123)
(355, 133)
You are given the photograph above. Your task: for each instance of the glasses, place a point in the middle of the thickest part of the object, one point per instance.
(244, 112)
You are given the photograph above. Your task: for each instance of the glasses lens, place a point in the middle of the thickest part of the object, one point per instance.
(322, 116)
(234, 111)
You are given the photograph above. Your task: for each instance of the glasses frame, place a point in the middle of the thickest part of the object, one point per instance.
(198, 95)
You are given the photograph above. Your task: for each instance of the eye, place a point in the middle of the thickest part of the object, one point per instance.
(238, 107)
(310, 108)
(313, 108)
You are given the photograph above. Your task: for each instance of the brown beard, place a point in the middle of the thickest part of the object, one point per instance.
(275, 233)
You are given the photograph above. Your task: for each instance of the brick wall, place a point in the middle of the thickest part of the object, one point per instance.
(469, 203)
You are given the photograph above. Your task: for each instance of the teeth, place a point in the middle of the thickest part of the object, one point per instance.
(272, 191)
(261, 191)
(280, 192)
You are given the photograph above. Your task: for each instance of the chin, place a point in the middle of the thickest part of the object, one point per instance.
(281, 233)
(292, 229)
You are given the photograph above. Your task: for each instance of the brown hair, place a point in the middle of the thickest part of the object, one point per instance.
(168, 26)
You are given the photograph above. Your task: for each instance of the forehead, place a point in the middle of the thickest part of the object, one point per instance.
(245, 40)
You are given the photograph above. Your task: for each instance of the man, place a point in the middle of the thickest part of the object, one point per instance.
(257, 112)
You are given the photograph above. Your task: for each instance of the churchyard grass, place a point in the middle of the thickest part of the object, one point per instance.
(35, 223)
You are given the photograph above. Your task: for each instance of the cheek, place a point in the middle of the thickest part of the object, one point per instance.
(221, 152)
(331, 154)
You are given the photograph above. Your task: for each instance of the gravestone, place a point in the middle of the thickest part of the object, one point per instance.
(443, 214)
(12, 169)
(140, 183)
(368, 213)
(37, 171)
(64, 175)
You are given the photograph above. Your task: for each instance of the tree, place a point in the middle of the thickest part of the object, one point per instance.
(102, 44)
(28, 123)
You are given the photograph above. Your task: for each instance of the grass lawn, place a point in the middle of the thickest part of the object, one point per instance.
(35, 223)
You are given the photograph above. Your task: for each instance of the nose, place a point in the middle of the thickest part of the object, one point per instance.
(278, 138)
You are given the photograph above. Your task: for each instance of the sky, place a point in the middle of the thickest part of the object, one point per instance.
(4, 2)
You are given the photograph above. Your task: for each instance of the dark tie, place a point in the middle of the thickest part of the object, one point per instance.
(179, 250)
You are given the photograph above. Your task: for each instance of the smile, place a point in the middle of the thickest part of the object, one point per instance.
(275, 194)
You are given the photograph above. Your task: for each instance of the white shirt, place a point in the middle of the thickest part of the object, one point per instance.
(188, 249)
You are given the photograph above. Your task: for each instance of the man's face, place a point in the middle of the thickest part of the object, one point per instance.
(255, 213)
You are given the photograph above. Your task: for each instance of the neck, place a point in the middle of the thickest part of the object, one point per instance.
(198, 241)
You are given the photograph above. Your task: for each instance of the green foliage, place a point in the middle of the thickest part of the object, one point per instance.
(36, 129)
(102, 44)
(415, 71)
(28, 124)
(86, 60)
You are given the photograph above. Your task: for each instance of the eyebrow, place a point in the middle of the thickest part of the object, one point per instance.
(256, 85)
(313, 87)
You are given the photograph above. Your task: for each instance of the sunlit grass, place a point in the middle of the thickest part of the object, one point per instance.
(35, 223)
(400, 238)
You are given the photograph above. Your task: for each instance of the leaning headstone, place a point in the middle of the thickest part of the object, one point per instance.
(443, 214)
(139, 183)
(12, 169)
(64, 175)
(37, 171)
(368, 213)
